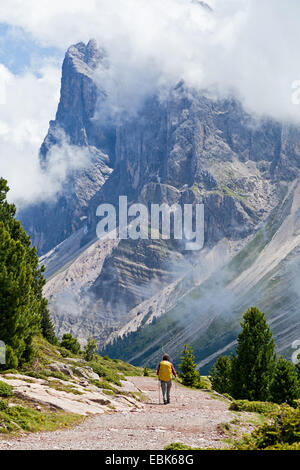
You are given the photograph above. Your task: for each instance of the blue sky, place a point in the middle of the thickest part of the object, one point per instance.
(19, 51)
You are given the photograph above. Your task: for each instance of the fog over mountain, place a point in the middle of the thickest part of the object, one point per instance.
(183, 146)
(177, 102)
(233, 48)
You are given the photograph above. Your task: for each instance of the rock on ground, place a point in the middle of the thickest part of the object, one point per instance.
(193, 417)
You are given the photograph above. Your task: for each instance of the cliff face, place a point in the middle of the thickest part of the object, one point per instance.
(49, 223)
(188, 148)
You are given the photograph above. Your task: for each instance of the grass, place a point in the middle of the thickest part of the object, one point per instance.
(179, 446)
(113, 370)
(44, 374)
(205, 383)
(64, 387)
(104, 385)
(265, 408)
(5, 390)
(282, 432)
(109, 392)
(19, 418)
(139, 396)
(110, 370)
(23, 415)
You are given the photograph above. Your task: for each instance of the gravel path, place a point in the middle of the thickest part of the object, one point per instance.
(192, 418)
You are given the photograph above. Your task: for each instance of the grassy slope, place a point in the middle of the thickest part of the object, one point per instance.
(19, 415)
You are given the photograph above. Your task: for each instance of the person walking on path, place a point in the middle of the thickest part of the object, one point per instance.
(164, 371)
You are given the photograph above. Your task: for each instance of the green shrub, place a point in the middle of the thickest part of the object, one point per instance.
(181, 446)
(3, 405)
(282, 433)
(261, 407)
(226, 395)
(295, 446)
(204, 383)
(90, 349)
(146, 372)
(70, 343)
(177, 446)
(64, 352)
(5, 390)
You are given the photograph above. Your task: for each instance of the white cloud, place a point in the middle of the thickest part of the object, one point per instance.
(24, 117)
(249, 47)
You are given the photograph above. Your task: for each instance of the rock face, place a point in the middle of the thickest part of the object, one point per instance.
(51, 223)
(188, 148)
(76, 394)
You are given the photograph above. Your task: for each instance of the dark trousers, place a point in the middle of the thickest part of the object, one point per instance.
(166, 390)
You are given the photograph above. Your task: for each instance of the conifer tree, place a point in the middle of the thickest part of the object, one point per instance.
(220, 375)
(47, 326)
(90, 349)
(285, 386)
(70, 343)
(19, 318)
(190, 376)
(21, 284)
(254, 363)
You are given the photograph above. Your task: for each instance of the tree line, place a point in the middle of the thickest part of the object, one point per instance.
(23, 309)
(253, 372)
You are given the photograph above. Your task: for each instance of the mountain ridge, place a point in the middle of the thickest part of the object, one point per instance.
(188, 149)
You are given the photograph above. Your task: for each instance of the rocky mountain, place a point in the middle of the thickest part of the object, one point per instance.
(137, 297)
(52, 222)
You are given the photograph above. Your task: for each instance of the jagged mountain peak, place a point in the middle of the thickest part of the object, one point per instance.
(202, 4)
(191, 149)
(85, 57)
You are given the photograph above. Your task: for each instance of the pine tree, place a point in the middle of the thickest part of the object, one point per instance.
(90, 349)
(285, 387)
(254, 363)
(21, 284)
(19, 318)
(189, 374)
(70, 343)
(220, 375)
(47, 326)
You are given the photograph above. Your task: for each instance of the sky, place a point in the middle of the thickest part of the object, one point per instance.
(249, 48)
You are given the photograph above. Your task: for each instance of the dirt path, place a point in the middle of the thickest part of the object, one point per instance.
(192, 418)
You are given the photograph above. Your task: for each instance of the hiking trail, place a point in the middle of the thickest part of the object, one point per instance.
(193, 417)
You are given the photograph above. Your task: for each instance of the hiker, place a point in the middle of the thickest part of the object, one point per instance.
(164, 371)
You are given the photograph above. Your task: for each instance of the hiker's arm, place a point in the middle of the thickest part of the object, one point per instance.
(158, 369)
(173, 370)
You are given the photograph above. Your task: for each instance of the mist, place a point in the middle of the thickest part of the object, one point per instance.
(242, 48)
(246, 49)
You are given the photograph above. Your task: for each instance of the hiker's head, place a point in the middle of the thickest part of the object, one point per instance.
(166, 357)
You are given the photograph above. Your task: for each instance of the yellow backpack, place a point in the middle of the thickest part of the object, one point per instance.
(165, 371)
